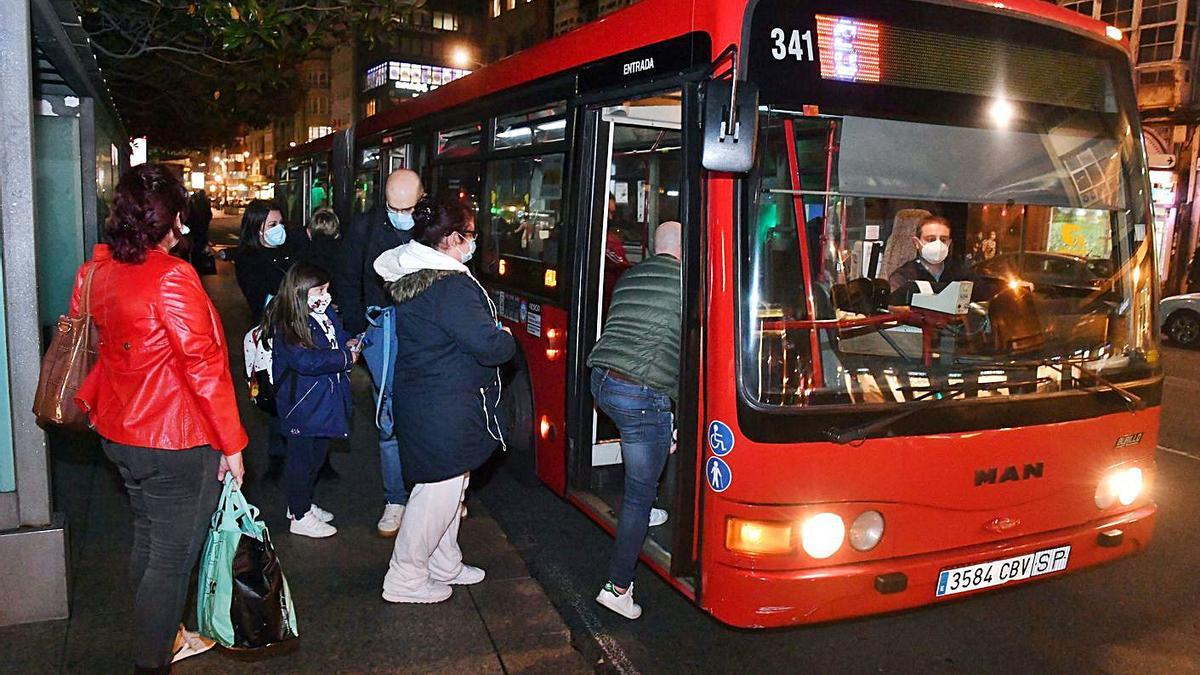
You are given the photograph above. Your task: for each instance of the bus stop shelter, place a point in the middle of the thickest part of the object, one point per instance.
(62, 147)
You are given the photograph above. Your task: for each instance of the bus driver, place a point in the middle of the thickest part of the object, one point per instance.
(932, 262)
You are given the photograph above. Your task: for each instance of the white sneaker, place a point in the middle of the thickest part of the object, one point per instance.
(469, 575)
(621, 603)
(657, 517)
(389, 524)
(311, 526)
(432, 592)
(321, 514)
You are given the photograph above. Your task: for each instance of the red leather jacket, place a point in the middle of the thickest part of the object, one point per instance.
(162, 378)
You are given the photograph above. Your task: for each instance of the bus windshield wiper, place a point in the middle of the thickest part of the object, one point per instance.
(1133, 402)
(929, 399)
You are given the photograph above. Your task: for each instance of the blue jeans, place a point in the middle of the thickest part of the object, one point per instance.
(643, 417)
(394, 489)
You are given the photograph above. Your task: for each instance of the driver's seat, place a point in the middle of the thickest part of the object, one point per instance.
(899, 248)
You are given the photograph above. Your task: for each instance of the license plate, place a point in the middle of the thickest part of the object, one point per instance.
(1000, 572)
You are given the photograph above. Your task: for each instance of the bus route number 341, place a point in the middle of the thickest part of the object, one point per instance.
(797, 45)
(999, 572)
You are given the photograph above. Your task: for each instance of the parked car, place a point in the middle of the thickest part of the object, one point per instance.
(1050, 273)
(1181, 319)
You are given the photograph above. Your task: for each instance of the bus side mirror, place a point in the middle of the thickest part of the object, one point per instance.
(730, 126)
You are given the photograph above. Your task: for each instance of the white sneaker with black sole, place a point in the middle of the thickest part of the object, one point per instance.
(321, 514)
(621, 603)
(389, 524)
(311, 526)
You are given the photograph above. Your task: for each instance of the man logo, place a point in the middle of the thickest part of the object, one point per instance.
(996, 475)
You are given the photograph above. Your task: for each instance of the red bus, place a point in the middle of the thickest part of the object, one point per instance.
(848, 445)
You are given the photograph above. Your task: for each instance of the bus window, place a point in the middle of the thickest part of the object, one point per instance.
(525, 209)
(320, 190)
(1044, 230)
(461, 142)
(366, 180)
(289, 192)
(398, 158)
(548, 125)
(460, 181)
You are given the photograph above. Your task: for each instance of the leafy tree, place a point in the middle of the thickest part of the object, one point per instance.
(189, 73)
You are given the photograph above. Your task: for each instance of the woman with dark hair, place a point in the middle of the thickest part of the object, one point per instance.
(264, 255)
(311, 361)
(161, 398)
(447, 386)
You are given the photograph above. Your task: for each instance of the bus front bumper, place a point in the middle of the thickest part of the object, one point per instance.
(751, 598)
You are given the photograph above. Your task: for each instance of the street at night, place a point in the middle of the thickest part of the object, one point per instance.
(611, 336)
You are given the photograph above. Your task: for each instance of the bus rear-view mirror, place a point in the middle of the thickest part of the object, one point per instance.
(730, 125)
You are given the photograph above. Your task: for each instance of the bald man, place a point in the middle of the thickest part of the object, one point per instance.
(635, 379)
(384, 227)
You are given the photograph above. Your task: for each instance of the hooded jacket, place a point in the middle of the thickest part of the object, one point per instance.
(448, 347)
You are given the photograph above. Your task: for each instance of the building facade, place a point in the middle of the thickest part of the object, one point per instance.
(513, 25)
(1162, 35)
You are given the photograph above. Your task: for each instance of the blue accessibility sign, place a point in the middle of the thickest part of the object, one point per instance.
(720, 438)
(718, 473)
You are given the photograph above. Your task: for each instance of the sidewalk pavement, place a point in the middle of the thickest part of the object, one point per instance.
(505, 624)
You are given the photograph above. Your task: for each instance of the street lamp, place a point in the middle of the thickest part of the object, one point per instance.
(460, 56)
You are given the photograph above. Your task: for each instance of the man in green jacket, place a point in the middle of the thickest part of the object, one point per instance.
(635, 377)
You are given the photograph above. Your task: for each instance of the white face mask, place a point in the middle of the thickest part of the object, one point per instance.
(319, 303)
(470, 251)
(935, 251)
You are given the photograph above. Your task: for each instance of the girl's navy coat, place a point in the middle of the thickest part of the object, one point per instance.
(446, 387)
(313, 385)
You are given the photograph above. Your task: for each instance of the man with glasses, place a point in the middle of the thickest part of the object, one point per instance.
(357, 287)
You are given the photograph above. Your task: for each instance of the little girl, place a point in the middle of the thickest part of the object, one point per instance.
(311, 364)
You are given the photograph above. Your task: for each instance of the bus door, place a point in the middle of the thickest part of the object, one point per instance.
(636, 185)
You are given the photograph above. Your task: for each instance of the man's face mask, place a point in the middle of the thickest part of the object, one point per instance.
(935, 251)
(400, 221)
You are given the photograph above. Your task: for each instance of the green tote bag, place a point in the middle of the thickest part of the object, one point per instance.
(243, 601)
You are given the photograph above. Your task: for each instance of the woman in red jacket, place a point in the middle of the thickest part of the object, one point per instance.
(160, 396)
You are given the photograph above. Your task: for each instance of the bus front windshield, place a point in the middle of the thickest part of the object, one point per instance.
(998, 248)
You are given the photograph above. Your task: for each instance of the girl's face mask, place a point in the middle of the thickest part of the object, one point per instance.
(319, 300)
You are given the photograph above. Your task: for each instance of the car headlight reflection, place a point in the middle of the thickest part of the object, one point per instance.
(822, 535)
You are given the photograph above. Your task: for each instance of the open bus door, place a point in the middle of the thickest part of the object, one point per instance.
(638, 172)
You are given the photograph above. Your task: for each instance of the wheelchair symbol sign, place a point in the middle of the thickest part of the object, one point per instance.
(718, 474)
(720, 438)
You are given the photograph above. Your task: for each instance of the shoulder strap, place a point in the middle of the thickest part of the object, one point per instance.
(87, 291)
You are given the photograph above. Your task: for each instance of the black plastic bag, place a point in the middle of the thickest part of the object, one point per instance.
(261, 606)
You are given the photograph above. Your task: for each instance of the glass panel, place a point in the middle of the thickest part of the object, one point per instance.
(366, 180)
(1049, 230)
(289, 193)
(460, 180)
(459, 142)
(525, 209)
(532, 128)
(320, 191)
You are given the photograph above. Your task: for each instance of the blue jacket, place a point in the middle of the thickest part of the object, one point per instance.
(312, 386)
(446, 386)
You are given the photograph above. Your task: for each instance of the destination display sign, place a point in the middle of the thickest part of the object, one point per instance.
(646, 63)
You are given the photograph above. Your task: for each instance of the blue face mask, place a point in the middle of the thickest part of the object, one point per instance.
(401, 221)
(275, 236)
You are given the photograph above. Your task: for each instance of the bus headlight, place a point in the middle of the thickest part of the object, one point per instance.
(866, 531)
(822, 535)
(757, 536)
(1121, 485)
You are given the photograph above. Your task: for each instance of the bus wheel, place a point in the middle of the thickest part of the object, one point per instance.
(1184, 328)
(517, 407)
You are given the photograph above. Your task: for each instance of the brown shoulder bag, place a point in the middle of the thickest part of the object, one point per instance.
(73, 351)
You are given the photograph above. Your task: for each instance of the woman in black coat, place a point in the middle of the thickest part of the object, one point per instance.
(446, 389)
(264, 255)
